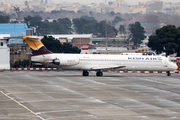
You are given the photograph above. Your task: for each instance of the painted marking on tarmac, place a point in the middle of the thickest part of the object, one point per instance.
(22, 105)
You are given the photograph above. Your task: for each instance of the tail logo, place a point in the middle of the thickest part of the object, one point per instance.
(36, 48)
(36, 45)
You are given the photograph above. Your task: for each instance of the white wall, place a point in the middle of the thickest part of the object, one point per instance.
(4, 53)
(4, 58)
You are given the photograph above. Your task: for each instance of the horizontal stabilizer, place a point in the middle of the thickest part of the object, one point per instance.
(33, 38)
(18, 37)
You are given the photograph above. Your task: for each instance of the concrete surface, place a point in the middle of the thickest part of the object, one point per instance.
(70, 96)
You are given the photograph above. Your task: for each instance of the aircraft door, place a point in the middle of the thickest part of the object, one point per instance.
(165, 62)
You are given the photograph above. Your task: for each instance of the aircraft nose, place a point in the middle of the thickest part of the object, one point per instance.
(175, 67)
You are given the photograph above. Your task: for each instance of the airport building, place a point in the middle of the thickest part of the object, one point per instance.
(16, 29)
(4, 52)
(78, 40)
(19, 50)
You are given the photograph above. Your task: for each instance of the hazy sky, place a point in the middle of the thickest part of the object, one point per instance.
(89, 1)
(103, 1)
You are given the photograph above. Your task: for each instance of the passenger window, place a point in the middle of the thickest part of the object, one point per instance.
(1, 43)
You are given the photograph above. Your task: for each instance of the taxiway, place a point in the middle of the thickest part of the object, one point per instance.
(70, 96)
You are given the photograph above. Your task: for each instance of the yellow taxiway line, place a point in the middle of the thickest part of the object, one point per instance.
(22, 105)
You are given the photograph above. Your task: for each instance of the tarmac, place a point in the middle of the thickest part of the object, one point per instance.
(70, 96)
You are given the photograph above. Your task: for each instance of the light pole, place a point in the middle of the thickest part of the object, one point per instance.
(17, 10)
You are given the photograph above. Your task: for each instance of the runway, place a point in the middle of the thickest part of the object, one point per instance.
(70, 96)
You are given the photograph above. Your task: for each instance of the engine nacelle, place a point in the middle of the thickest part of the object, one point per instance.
(66, 61)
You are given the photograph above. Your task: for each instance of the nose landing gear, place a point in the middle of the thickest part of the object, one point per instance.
(168, 73)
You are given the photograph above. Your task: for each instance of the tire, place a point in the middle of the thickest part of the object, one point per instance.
(85, 73)
(99, 74)
(169, 74)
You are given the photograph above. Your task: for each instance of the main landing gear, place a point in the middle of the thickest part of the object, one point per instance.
(86, 73)
(99, 73)
(168, 73)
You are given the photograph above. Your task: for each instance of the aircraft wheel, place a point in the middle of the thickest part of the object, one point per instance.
(99, 74)
(85, 73)
(168, 73)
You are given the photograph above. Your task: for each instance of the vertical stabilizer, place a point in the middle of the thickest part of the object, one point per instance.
(36, 45)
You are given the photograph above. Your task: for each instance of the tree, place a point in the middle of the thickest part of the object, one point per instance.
(167, 39)
(121, 29)
(65, 25)
(84, 26)
(178, 42)
(4, 19)
(137, 33)
(152, 21)
(118, 14)
(20, 63)
(68, 48)
(60, 26)
(27, 61)
(79, 11)
(116, 20)
(79, 24)
(16, 64)
(106, 30)
(1, 13)
(61, 12)
(34, 21)
(90, 13)
(24, 63)
(112, 13)
(56, 47)
(87, 17)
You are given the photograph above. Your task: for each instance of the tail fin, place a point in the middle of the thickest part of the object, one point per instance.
(35, 44)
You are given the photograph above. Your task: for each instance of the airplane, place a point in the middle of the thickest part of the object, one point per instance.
(96, 62)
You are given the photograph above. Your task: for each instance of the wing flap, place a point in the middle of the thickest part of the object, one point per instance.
(106, 67)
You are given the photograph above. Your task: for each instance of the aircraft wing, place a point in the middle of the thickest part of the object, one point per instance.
(106, 67)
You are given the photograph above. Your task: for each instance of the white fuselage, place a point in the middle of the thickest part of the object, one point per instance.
(90, 61)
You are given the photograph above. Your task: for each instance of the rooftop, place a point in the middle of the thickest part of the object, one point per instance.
(15, 29)
(72, 36)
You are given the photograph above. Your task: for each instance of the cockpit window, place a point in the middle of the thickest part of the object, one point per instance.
(173, 61)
